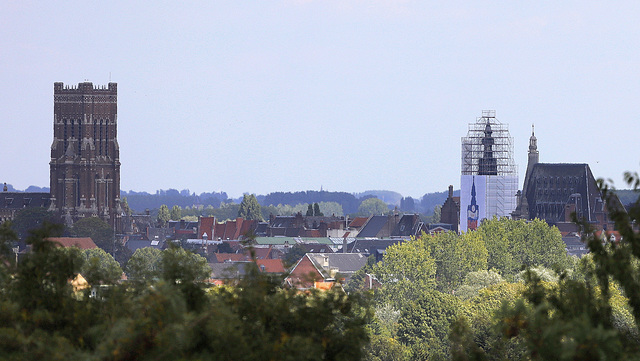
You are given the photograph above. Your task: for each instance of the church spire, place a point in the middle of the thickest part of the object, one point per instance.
(533, 141)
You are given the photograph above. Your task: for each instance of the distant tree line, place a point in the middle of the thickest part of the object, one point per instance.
(140, 201)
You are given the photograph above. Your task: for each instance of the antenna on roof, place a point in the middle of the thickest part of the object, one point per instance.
(109, 77)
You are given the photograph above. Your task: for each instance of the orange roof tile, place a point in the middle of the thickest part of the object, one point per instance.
(80, 242)
(270, 265)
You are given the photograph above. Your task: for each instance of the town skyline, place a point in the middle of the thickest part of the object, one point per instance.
(346, 97)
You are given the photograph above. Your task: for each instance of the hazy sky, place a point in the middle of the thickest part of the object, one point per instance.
(267, 96)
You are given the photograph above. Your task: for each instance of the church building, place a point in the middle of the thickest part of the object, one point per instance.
(85, 162)
(554, 191)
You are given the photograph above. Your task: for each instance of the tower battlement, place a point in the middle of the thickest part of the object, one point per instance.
(84, 88)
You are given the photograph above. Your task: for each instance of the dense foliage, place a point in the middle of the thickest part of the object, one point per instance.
(171, 315)
(436, 282)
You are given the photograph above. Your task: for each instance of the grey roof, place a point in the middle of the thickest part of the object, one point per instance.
(18, 200)
(316, 247)
(409, 225)
(373, 226)
(344, 263)
(134, 244)
(227, 270)
(575, 246)
(554, 185)
(371, 246)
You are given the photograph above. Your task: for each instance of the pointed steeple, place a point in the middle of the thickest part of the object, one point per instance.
(533, 141)
(533, 149)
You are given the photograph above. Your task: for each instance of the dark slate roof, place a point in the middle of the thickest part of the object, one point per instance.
(371, 246)
(575, 246)
(18, 200)
(373, 226)
(409, 225)
(283, 222)
(315, 247)
(261, 229)
(183, 225)
(134, 244)
(553, 185)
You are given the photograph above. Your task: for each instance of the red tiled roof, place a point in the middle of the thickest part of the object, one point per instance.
(206, 226)
(616, 235)
(221, 257)
(313, 233)
(80, 242)
(270, 265)
(245, 226)
(262, 253)
(358, 222)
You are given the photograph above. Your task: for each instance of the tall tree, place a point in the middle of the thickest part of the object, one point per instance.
(176, 213)
(316, 210)
(125, 206)
(309, 210)
(250, 208)
(164, 215)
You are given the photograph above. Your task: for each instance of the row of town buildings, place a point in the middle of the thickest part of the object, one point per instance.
(85, 182)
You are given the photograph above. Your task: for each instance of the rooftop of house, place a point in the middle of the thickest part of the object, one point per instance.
(17, 200)
(373, 226)
(80, 242)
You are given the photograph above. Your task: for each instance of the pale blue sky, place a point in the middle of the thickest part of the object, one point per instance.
(348, 95)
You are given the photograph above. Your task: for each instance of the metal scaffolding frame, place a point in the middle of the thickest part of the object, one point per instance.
(473, 150)
(487, 150)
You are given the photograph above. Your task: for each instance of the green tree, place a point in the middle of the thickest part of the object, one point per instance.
(373, 206)
(250, 208)
(144, 264)
(316, 210)
(125, 206)
(437, 213)
(173, 319)
(513, 244)
(475, 281)
(227, 211)
(97, 229)
(293, 255)
(7, 265)
(455, 256)
(332, 208)
(180, 266)
(99, 267)
(309, 210)
(424, 324)
(31, 218)
(164, 216)
(176, 213)
(407, 270)
(591, 317)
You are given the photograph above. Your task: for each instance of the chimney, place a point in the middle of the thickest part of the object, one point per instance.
(450, 191)
(344, 244)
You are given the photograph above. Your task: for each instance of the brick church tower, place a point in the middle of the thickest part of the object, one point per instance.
(85, 160)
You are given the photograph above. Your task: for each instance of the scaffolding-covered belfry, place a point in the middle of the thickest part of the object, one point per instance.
(488, 147)
(489, 175)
